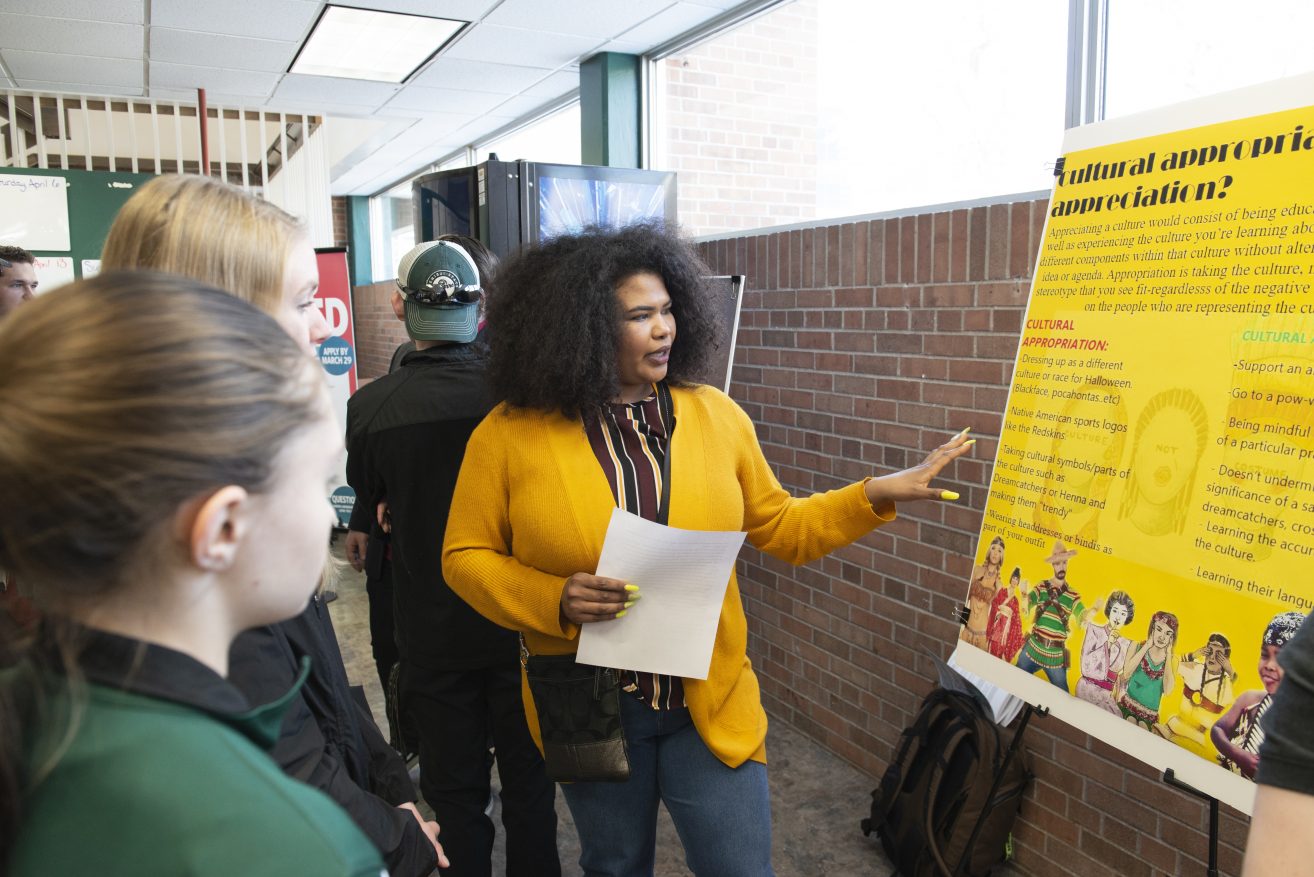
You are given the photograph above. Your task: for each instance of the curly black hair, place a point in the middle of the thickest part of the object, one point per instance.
(555, 323)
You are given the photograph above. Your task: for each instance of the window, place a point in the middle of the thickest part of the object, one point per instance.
(393, 230)
(1161, 52)
(827, 108)
(551, 138)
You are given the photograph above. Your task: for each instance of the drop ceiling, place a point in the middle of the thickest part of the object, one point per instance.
(516, 56)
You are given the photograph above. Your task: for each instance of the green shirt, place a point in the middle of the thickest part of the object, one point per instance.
(166, 774)
(1046, 644)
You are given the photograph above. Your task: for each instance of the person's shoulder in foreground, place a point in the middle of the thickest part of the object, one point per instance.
(1280, 841)
(150, 786)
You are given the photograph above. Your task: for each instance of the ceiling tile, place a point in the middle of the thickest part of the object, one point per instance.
(286, 20)
(592, 18)
(434, 129)
(253, 85)
(521, 105)
(212, 98)
(77, 87)
(121, 11)
(440, 100)
(461, 73)
(220, 50)
(624, 47)
(320, 108)
(669, 23)
(529, 47)
(362, 93)
(555, 85)
(73, 68)
(91, 38)
(457, 10)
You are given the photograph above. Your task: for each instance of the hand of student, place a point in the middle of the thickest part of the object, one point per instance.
(384, 516)
(430, 830)
(357, 543)
(587, 598)
(915, 483)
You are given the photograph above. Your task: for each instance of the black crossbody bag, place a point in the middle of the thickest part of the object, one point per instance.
(578, 704)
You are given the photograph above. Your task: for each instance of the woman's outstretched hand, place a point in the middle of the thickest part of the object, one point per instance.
(915, 483)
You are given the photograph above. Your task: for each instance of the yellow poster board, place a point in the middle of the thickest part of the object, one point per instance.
(1154, 483)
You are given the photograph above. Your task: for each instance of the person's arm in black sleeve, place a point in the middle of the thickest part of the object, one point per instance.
(362, 522)
(263, 666)
(389, 777)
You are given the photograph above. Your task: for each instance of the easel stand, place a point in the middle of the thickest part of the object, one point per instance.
(1013, 748)
(1171, 779)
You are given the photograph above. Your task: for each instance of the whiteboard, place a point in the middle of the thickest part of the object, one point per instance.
(52, 272)
(34, 212)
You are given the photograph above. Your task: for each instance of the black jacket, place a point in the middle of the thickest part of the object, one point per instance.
(406, 436)
(328, 739)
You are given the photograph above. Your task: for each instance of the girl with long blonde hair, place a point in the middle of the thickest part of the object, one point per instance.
(208, 230)
(163, 450)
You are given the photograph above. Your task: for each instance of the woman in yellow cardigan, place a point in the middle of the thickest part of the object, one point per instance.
(583, 333)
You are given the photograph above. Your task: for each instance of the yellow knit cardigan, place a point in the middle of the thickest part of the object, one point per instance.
(532, 506)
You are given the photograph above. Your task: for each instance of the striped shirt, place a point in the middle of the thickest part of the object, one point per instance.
(630, 441)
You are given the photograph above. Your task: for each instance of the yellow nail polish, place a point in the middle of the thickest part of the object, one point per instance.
(631, 587)
(620, 614)
(629, 603)
(969, 443)
(966, 430)
(949, 495)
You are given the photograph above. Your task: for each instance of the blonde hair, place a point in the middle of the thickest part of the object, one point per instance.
(208, 230)
(123, 397)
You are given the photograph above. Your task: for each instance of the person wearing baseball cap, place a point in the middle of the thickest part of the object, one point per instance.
(440, 293)
(459, 676)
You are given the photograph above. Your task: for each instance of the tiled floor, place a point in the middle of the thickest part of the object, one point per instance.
(817, 799)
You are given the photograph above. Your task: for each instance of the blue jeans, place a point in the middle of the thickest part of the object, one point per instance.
(722, 814)
(1057, 675)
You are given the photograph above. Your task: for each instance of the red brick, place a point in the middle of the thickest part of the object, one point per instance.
(1020, 244)
(876, 252)
(860, 264)
(806, 256)
(833, 256)
(925, 247)
(1039, 212)
(893, 252)
(907, 249)
(996, 266)
(976, 243)
(941, 246)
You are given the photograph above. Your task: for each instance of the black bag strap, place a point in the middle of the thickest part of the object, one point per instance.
(667, 405)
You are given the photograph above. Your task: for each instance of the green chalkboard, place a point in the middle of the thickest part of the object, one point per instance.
(94, 197)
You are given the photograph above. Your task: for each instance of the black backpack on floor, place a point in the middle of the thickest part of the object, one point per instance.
(938, 786)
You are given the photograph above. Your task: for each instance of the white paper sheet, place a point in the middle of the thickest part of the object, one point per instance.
(682, 575)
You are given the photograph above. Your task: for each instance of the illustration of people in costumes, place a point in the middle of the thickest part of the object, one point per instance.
(1238, 734)
(1147, 673)
(981, 594)
(1207, 678)
(1004, 627)
(1104, 650)
(1053, 603)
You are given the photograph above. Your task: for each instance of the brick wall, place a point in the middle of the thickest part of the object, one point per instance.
(861, 344)
(341, 221)
(378, 331)
(741, 124)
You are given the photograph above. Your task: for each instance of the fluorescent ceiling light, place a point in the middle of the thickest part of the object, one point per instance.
(366, 44)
